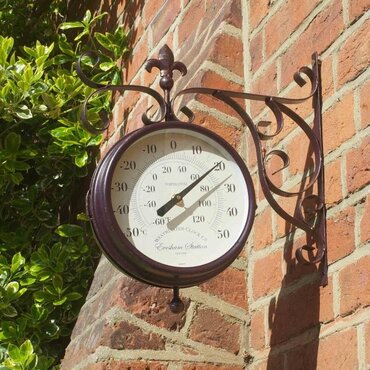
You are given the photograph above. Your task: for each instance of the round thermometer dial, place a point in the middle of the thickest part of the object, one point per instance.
(172, 204)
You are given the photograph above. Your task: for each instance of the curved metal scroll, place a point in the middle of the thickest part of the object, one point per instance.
(316, 231)
(315, 249)
(101, 88)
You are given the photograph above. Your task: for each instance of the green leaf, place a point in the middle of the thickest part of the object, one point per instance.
(65, 134)
(60, 301)
(83, 217)
(12, 288)
(38, 312)
(73, 296)
(23, 205)
(81, 159)
(51, 329)
(9, 311)
(23, 112)
(69, 230)
(26, 348)
(44, 215)
(58, 283)
(65, 46)
(17, 262)
(12, 142)
(16, 178)
(19, 166)
(103, 40)
(81, 35)
(96, 140)
(69, 25)
(107, 66)
(87, 17)
(14, 353)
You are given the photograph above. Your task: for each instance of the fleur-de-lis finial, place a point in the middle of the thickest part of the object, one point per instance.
(166, 64)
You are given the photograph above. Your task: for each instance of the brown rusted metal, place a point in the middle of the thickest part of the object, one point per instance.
(315, 251)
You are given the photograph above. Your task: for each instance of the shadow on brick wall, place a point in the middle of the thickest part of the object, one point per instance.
(294, 316)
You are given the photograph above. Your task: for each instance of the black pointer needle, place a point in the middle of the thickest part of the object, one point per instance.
(178, 197)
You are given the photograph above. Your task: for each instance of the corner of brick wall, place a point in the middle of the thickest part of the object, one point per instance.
(265, 311)
(125, 324)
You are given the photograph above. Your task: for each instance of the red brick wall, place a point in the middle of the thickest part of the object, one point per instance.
(265, 311)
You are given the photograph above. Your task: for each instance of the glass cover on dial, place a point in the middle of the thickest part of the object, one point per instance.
(196, 228)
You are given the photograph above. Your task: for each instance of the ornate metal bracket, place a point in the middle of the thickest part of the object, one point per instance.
(311, 214)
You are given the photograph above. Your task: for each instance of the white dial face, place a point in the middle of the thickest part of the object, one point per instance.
(165, 212)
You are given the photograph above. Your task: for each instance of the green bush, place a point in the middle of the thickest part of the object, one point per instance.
(47, 253)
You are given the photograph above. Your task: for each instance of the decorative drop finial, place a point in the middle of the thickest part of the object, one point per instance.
(176, 305)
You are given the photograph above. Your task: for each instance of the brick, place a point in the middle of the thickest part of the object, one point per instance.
(214, 80)
(357, 8)
(294, 269)
(227, 51)
(128, 100)
(355, 286)
(251, 148)
(358, 166)
(338, 351)
(333, 183)
(210, 367)
(257, 11)
(285, 21)
(301, 156)
(341, 235)
(110, 142)
(354, 55)
(256, 51)
(150, 9)
(338, 124)
(191, 19)
(83, 346)
(294, 313)
(365, 222)
(211, 328)
(137, 33)
(365, 105)
(135, 118)
(257, 330)
(265, 85)
(142, 300)
(137, 59)
(262, 229)
(121, 335)
(291, 206)
(230, 14)
(193, 54)
(126, 365)
(220, 287)
(124, 335)
(119, 113)
(231, 134)
(164, 19)
(274, 167)
(274, 362)
(327, 78)
(367, 342)
(104, 273)
(267, 274)
(318, 36)
(303, 356)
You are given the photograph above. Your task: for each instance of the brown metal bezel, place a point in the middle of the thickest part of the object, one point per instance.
(118, 248)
